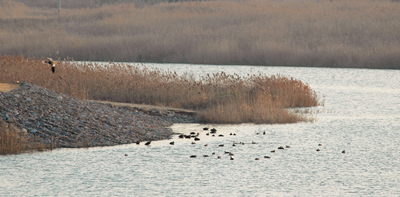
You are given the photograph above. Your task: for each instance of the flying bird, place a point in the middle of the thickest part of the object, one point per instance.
(52, 63)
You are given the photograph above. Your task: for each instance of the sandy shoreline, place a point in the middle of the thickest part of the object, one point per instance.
(6, 87)
(150, 107)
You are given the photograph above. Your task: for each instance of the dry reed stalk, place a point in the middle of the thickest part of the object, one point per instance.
(14, 141)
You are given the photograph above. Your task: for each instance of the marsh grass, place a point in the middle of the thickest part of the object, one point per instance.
(218, 97)
(14, 141)
(323, 33)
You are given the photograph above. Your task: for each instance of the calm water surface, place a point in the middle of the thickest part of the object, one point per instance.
(361, 115)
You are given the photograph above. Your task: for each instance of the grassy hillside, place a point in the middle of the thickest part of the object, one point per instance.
(323, 33)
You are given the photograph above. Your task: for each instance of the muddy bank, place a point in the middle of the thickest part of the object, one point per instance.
(64, 121)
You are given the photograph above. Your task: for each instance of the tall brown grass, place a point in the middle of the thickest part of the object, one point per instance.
(14, 141)
(256, 98)
(325, 33)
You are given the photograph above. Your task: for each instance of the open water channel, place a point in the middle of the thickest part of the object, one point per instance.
(361, 115)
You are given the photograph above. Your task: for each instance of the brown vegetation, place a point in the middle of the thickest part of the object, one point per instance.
(327, 33)
(219, 98)
(14, 141)
(77, 4)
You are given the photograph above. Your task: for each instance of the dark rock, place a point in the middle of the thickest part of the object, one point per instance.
(45, 114)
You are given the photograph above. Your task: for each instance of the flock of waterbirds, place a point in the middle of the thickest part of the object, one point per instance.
(194, 135)
(213, 133)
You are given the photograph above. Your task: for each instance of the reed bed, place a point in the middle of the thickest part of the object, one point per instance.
(218, 97)
(14, 141)
(322, 33)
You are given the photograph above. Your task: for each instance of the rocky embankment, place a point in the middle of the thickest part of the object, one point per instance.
(64, 121)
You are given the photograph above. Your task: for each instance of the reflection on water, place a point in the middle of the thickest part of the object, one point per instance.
(361, 115)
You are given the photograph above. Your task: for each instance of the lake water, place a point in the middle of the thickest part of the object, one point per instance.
(361, 115)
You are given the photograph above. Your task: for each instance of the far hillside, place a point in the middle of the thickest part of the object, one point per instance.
(318, 33)
(77, 4)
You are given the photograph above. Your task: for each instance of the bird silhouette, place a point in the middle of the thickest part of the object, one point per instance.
(52, 63)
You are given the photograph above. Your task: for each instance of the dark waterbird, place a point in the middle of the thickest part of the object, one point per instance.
(205, 128)
(148, 143)
(193, 156)
(172, 143)
(213, 130)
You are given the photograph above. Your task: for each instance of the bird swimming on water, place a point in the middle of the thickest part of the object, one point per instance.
(52, 63)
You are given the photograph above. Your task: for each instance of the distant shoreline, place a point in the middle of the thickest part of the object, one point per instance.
(194, 64)
(310, 33)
